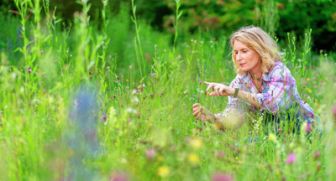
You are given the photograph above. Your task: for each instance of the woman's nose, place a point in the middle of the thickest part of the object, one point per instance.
(238, 56)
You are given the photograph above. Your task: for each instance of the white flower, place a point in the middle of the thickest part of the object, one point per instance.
(135, 100)
(131, 110)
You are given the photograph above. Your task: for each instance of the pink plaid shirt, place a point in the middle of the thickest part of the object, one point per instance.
(279, 92)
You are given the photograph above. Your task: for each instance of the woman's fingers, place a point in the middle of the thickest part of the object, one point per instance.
(222, 90)
(210, 87)
(198, 111)
(196, 105)
(217, 89)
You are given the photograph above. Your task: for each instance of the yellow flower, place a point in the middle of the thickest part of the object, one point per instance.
(272, 137)
(193, 159)
(163, 171)
(196, 143)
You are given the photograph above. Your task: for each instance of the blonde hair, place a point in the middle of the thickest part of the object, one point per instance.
(261, 42)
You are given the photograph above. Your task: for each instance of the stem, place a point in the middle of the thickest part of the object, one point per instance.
(177, 17)
(137, 42)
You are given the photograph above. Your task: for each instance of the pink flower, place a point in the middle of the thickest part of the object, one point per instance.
(317, 155)
(219, 176)
(308, 127)
(119, 176)
(219, 154)
(150, 153)
(334, 112)
(291, 158)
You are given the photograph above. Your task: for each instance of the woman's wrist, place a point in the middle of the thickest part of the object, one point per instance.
(235, 92)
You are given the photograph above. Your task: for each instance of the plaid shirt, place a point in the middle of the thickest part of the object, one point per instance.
(279, 92)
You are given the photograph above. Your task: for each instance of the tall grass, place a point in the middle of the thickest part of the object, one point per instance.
(137, 109)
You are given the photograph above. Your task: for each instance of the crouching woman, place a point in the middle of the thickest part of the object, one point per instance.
(263, 83)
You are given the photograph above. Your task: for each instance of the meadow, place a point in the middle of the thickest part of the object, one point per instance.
(112, 100)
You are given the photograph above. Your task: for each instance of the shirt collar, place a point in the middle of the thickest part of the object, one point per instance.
(245, 76)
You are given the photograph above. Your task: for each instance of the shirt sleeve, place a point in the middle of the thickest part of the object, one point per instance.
(233, 102)
(278, 90)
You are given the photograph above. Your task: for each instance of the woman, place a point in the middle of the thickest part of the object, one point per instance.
(263, 83)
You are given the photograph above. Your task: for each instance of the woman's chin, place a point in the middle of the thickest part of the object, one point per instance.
(244, 69)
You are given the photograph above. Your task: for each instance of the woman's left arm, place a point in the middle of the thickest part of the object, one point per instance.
(246, 96)
(219, 89)
(277, 93)
(281, 82)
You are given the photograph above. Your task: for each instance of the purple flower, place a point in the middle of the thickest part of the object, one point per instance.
(219, 176)
(291, 158)
(103, 118)
(150, 153)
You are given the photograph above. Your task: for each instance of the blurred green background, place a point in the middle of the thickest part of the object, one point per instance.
(218, 16)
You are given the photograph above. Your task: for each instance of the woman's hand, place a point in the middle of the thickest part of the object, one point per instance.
(218, 89)
(201, 113)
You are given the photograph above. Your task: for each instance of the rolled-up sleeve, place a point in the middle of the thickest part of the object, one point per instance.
(274, 96)
(233, 102)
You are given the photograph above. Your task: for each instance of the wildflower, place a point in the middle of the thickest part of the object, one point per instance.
(308, 127)
(119, 177)
(131, 110)
(135, 100)
(219, 154)
(134, 91)
(193, 159)
(317, 155)
(219, 176)
(153, 74)
(291, 158)
(150, 153)
(138, 89)
(334, 112)
(14, 76)
(163, 171)
(196, 143)
(272, 138)
(103, 118)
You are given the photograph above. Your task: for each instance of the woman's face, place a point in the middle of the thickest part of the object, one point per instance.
(246, 58)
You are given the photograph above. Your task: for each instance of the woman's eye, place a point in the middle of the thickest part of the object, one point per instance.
(244, 51)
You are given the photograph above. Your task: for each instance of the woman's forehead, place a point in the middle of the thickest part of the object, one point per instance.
(239, 45)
